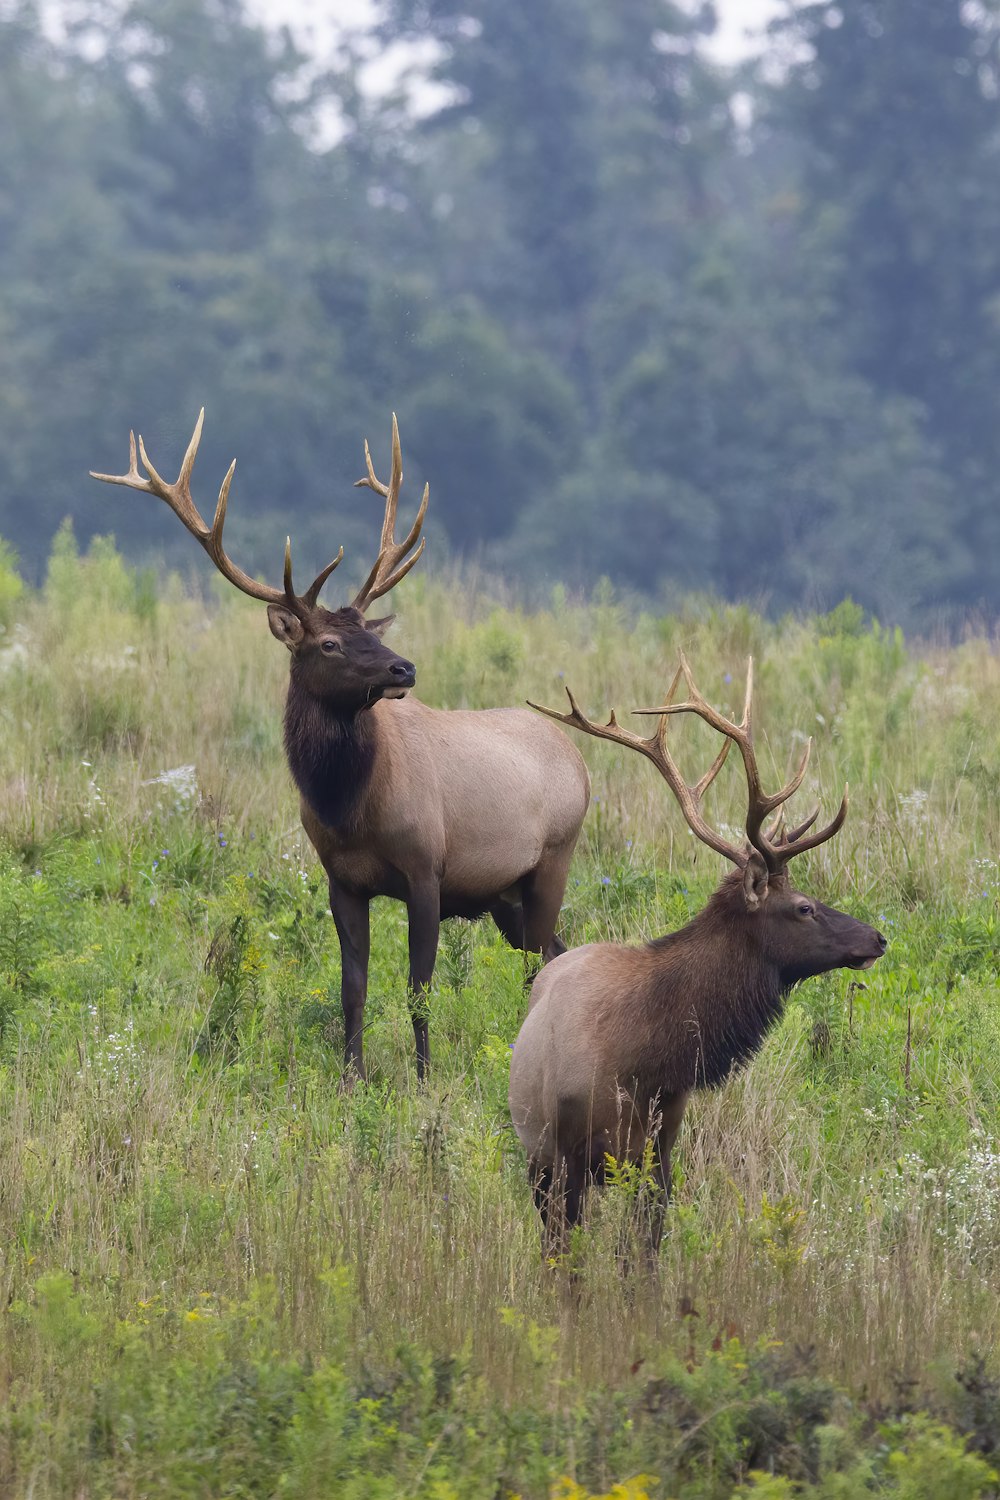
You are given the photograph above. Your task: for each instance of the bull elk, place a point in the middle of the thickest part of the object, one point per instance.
(455, 813)
(617, 1037)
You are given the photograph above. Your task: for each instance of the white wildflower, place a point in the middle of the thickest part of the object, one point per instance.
(913, 806)
(109, 662)
(181, 782)
(114, 1058)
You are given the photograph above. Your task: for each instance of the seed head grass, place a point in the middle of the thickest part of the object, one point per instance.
(220, 1273)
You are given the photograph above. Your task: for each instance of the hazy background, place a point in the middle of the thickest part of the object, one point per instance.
(651, 303)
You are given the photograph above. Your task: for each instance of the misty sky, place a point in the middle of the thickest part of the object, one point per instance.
(316, 22)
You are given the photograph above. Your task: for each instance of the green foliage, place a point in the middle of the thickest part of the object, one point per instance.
(62, 572)
(100, 579)
(671, 349)
(234, 961)
(23, 940)
(929, 1462)
(11, 586)
(276, 1285)
(780, 1233)
(847, 619)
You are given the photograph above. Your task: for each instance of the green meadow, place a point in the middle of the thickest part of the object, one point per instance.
(222, 1275)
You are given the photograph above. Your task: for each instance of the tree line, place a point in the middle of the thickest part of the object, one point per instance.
(642, 317)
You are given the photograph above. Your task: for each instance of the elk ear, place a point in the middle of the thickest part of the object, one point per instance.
(285, 627)
(379, 627)
(755, 878)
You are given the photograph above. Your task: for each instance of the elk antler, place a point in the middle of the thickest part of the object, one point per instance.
(775, 846)
(389, 565)
(178, 497)
(655, 748)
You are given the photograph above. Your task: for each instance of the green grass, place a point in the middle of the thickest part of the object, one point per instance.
(221, 1275)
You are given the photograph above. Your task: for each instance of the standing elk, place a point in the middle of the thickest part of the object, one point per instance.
(453, 812)
(617, 1037)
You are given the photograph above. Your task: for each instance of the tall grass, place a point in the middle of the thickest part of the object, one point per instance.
(223, 1275)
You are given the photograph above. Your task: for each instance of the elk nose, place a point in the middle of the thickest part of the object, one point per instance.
(404, 670)
(882, 942)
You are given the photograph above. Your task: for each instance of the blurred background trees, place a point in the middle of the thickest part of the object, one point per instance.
(641, 316)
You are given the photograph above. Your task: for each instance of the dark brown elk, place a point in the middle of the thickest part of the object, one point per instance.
(617, 1037)
(455, 813)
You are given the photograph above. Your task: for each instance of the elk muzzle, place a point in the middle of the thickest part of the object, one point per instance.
(402, 676)
(859, 945)
(879, 945)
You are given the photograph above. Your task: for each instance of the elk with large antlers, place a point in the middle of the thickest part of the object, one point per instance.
(454, 812)
(617, 1037)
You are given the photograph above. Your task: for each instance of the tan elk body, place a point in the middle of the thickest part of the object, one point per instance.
(617, 1037)
(455, 813)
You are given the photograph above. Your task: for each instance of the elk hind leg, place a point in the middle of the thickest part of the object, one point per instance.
(542, 897)
(509, 919)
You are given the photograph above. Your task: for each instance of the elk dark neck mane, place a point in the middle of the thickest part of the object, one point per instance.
(719, 996)
(331, 755)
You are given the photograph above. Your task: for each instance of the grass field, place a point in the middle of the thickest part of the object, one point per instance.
(222, 1276)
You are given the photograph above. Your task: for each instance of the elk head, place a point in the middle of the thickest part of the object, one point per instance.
(338, 657)
(801, 936)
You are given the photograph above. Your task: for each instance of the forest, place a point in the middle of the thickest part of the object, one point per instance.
(695, 359)
(700, 331)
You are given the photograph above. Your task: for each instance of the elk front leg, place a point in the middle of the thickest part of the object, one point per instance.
(350, 913)
(423, 908)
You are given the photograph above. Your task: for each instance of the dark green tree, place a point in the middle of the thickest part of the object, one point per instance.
(518, 77)
(893, 106)
(729, 460)
(621, 335)
(207, 118)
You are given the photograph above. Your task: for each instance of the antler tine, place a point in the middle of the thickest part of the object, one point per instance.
(654, 747)
(392, 562)
(312, 592)
(612, 730)
(133, 478)
(777, 833)
(759, 805)
(178, 497)
(776, 850)
(659, 736)
(794, 844)
(390, 491)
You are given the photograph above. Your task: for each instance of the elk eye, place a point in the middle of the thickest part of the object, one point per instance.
(805, 909)
(330, 647)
